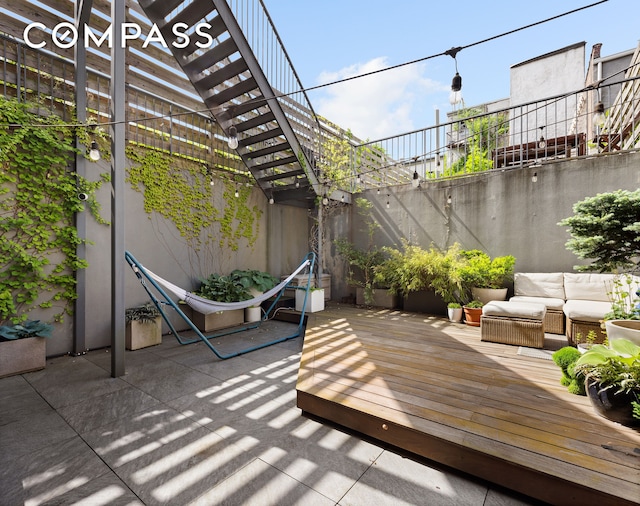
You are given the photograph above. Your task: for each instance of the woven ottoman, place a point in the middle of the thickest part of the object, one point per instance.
(518, 323)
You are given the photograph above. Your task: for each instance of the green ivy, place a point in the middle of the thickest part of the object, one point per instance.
(179, 191)
(38, 203)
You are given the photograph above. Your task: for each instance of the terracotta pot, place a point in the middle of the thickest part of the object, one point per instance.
(615, 406)
(472, 316)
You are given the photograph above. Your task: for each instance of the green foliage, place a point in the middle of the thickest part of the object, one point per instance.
(454, 305)
(482, 272)
(624, 295)
(145, 314)
(480, 138)
(38, 203)
(179, 191)
(29, 328)
(366, 261)
(566, 358)
(252, 278)
(606, 228)
(223, 289)
(616, 366)
(474, 304)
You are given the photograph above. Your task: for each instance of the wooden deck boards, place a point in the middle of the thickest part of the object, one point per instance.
(434, 389)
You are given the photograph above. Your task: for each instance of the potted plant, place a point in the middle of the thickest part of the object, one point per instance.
(314, 302)
(368, 278)
(143, 326)
(22, 347)
(613, 380)
(473, 312)
(586, 343)
(623, 321)
(484, 277)
(454, 312)
(256, 282)
(221, 289)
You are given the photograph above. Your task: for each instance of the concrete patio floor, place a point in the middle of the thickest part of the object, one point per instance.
(183, 427)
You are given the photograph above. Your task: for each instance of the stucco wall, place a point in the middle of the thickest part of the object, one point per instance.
(500, 212)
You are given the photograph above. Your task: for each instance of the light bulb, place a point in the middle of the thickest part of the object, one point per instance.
(297, 183)
(388, 203)
(232, 141)
(94, 152)
(455, 97)
(325, 200)
(358, 179)
(415, 182)
(237, 194)
(534, 178)
(542, 143)
(598, 115)
(212, 182)
(449, 199)
(271, 201)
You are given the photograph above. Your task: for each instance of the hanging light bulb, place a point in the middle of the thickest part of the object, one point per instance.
(233, 137)
(449, 199)
(237, 194)
(297, 182)
(342, 198)
(598, 115)
(542, 143)
(94, 152)
(325, 200)
(271, 201)
(534, 178)
(415, 182)
(455, 97)
(388, 203)
(378, 191)
(358, 179)
(212, 182)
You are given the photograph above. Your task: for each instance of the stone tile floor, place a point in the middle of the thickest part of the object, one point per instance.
(183, 427)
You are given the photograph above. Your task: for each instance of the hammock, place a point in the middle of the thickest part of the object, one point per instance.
(207, 306)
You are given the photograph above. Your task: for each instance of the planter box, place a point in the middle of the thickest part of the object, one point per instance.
(300, 280)
(22, 355)
(140, 334)
(219, 320)
(381, 298)
(315, 301)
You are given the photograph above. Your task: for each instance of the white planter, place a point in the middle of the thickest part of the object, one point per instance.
(139, 334)
(623, 329)
(252, 314)
(315, 300)
(455, 314)
(486, 295)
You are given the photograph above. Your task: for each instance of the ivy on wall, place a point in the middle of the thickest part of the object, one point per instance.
(38, 202)
(179, 190)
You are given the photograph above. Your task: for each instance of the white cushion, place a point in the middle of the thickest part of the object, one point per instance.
(586, 310)
(539, 284)
(588, 286)
(514, 309)
(550, 302)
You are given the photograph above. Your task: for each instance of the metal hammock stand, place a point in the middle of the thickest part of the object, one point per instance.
(164, 299)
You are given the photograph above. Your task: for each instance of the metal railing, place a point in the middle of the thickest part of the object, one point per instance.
(475, 140)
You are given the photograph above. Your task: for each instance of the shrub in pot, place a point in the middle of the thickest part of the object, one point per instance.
(143, 326)
(613, 380)
(454, 311)
(482, 272)
(473, 312)
(221, 289)
(256, 282)
(22, 347)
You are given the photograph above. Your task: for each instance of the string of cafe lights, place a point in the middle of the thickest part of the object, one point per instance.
(456, 82)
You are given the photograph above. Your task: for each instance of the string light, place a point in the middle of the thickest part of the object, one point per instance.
(388, 203)
(237, 194)
(415, 182)
(534, 178)
(232, 140)
(94, 152)
(542, 143)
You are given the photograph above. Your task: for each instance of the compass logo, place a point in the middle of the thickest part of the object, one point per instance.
(65, 35)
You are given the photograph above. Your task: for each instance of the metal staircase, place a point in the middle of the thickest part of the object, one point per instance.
(277, 129)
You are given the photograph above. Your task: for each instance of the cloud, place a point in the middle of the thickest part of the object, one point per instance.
(376, 106)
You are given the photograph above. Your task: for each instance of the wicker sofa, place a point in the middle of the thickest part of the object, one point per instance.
(575, 302)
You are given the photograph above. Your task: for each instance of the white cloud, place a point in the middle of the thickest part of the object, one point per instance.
(376, 106)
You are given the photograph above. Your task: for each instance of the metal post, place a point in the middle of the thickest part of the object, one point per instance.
(117, 92)
(82, 14)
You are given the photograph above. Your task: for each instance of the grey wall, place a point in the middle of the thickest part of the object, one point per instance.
(281, 244)
(501, 212)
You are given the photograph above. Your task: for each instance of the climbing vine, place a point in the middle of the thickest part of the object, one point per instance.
(39, 197)
(179, 190)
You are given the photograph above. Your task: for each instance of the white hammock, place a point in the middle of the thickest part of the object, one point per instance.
(206, 306)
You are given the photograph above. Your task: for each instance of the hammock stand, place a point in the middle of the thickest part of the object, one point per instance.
(163, 299)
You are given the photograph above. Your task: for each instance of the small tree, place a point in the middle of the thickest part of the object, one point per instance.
(606, 228)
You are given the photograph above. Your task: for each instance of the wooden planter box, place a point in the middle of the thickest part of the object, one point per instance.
(219, 320)
(381, 298)
(22, 355)
(140, 334)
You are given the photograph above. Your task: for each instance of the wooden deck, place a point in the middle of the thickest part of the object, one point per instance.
(434, 389)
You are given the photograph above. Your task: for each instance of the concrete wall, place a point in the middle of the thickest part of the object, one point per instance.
(281, 244)
(502, 212)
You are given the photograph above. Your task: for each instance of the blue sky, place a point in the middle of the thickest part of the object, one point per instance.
(333, 39)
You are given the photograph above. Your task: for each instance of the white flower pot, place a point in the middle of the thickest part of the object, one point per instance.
(455, 314)
(623, 329)
(315, 300)
(252, 314)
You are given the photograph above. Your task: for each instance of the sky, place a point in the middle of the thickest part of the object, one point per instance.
(330, 40)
